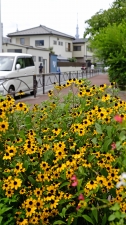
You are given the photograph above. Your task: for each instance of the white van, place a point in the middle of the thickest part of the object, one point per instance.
(15, 69)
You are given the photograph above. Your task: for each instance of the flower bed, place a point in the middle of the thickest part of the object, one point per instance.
(61, 161)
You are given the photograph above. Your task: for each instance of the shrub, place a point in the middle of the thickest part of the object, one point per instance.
(61, 160)
(72, 59)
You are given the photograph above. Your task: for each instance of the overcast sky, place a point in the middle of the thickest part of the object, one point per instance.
(60, 15)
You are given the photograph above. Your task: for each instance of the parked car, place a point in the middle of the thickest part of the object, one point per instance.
(15, 69)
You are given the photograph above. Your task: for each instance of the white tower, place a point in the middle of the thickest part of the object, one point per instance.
(77, 29)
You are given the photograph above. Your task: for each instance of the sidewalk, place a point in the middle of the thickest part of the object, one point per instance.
(96, 80)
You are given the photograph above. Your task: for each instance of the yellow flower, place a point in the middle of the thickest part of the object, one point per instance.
(16, 183)
(9, 193)
(38, 192)
(56, 131)
(30, 211)
(4, 126)
(91, 185)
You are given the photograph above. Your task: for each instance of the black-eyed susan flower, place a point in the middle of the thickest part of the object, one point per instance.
(16, 183)
(4, 126)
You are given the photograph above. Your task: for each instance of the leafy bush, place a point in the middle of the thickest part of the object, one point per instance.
(72, 59)
(61, 160)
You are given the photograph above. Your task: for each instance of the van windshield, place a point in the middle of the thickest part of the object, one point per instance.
(6, 63)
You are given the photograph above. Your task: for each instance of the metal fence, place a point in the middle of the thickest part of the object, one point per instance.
(45, 82)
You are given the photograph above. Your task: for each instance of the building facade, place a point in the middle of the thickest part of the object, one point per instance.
(43, 37)
(81, 50)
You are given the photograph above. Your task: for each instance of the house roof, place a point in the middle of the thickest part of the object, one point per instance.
(40, 30)
(27, 46)
(80, 40)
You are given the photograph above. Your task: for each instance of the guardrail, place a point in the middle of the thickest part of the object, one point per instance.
(45, 81)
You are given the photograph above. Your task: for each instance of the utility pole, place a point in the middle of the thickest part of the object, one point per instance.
(0, 30)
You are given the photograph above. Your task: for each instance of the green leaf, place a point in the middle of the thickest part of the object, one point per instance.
(28, 123)
(106, 144)
(69, 220)
(39, 140)
(94, 140)
(31, 179)
(47, 155)
(111, 217)
(109, 131)
(98, 128)
(4, 209)
(122, 136)
(8, 222)
(87, 218)
(59, 222)
(26, 164)
(115, 207)
(117, 214)
(113, 193)
(91, 157)
(1, 218)
(81, 170)
(63, 211)
(95, 214)
(64, 184)
(104, 220)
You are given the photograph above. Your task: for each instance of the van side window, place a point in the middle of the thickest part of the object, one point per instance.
(29, 62)
(21, 61)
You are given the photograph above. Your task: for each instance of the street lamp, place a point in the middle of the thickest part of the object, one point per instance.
(0, 30)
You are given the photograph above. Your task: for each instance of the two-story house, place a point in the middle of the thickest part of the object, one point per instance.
(44, 38)
(82, 51)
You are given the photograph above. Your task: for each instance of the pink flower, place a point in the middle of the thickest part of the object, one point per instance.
(74, 177)
(118, 118)
(74, 180)
(113, 145)
(75, 183)
(81, 197)
(78, 207)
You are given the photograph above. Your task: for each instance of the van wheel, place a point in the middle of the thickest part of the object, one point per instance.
(11, 91)
(32, 92)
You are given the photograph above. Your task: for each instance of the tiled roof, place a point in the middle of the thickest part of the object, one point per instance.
(80, 40)
(40, 30)
(27, 46)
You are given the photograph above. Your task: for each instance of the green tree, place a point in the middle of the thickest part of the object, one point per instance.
(110, 46)
(115, 14)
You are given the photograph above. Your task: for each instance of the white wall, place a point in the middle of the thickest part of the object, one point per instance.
(40, 37)
(61, 49)
(69, 69)
(79, 53)
(48, 42)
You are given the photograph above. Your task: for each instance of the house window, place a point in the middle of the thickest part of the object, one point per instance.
(22, 41)
(60, 43)
(55, 42)
(34, 58)
(68, 47)
(14, 50)
(76, 48)
(39, 43)
(40, 59)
